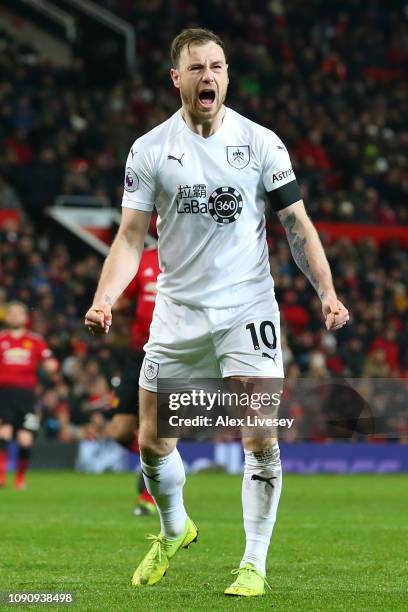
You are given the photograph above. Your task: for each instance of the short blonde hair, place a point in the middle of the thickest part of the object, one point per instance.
(192, 36)
(17, 303)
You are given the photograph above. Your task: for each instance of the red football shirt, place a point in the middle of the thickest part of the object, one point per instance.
(20, 357)
(143, 287)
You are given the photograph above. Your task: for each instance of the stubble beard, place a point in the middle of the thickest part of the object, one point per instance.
(191, 107)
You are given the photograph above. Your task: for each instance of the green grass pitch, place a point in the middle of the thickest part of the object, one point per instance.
(340, 543)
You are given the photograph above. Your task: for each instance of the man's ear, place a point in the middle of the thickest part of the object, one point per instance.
(175, 77)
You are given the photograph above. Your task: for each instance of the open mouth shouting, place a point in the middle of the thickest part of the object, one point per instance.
(206, 98)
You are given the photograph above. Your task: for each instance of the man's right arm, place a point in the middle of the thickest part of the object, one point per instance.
(119, 268)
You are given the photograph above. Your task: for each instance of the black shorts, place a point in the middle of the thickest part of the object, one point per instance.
(17, 408)
(127, 394)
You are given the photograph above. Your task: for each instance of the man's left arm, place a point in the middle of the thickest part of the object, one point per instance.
(309, 255)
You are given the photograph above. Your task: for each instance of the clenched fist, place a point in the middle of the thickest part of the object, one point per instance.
(335, 313)
(98, 319)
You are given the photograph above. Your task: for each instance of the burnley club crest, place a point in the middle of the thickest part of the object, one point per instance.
(238, 157)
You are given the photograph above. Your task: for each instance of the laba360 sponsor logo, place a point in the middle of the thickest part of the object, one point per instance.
(224, 205)
(282, 174)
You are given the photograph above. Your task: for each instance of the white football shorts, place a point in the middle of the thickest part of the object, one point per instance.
(188, 342)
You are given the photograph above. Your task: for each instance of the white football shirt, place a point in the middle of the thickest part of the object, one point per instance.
(209, 194)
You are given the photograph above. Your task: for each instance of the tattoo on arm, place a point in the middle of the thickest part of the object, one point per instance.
(108, 300)
(297, 246)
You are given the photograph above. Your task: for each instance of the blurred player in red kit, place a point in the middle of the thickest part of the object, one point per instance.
(125, 421)
(21, 352)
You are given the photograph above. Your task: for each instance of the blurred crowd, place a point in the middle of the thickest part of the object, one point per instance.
(328, 77)
(76, 401)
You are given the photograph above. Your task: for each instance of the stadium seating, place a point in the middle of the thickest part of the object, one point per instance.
(334, 93)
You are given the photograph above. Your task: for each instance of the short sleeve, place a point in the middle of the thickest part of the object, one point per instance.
(278, 176)
(139, 184)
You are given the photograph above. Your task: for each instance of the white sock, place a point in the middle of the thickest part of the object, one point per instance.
(261, 489)
(165, 478)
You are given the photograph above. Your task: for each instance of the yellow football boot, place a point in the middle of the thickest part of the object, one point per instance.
(248, 583)
(155, 564)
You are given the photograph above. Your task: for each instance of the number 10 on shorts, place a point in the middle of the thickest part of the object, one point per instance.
(266, 332)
